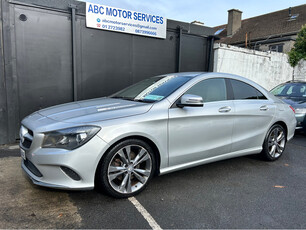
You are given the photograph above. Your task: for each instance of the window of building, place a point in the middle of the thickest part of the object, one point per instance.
(276, 48)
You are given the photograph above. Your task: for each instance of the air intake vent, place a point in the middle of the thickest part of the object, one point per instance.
(72, 174)
(32, 168)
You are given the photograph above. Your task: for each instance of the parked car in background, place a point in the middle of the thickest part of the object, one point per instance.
(157, 126)
(294, 94)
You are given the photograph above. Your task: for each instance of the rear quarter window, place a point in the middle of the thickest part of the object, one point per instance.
(244, 91)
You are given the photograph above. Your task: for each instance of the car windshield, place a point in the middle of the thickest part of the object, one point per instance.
(293, 89)
(152, 89)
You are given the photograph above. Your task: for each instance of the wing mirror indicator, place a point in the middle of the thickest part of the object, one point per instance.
(189, 100)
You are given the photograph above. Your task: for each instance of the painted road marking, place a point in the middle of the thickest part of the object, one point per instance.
(154, 225)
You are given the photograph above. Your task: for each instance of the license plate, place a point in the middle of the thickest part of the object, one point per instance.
(22, 153)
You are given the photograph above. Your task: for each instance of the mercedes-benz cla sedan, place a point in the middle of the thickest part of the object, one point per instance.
(159, 125)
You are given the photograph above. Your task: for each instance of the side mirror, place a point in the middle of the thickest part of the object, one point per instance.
(190, 100)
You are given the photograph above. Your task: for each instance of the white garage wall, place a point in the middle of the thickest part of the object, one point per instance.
(300, 71)
(265, 68)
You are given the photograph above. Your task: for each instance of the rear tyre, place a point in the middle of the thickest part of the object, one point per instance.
(275, 143)
(126, 168)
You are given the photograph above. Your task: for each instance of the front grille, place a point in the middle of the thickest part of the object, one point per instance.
(26, 137)
(32, 168)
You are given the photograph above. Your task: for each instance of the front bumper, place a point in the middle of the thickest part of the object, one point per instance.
(48, 166)
(29, 174)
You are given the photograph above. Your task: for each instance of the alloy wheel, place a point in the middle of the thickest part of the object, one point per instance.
(276, 142)
(129, 169)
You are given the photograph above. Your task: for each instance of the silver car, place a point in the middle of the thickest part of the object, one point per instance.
(159, 125)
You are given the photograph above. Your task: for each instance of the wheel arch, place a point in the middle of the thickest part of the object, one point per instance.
(145, 139)
(283, 124)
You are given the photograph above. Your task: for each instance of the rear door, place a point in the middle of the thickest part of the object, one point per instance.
(253, 115)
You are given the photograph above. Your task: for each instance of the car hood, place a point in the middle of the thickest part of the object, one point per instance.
(295, 102)
(99, 109)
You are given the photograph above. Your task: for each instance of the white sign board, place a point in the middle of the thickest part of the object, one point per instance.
(125, 21)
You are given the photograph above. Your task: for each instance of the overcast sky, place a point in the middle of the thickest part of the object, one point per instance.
(212, 13)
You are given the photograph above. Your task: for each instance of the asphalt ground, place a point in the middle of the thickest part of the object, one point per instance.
(243, 193)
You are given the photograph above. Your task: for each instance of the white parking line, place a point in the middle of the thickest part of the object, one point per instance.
(145, 214)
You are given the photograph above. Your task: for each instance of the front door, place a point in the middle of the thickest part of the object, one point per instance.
(197, 133)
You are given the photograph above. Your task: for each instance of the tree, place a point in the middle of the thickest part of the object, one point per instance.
(298, 52)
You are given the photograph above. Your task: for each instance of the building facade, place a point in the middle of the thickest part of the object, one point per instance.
(48, 56)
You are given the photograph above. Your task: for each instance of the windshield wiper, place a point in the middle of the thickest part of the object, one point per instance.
(301, 102)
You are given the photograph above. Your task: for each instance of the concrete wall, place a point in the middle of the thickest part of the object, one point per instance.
(265, 68)
(300, 71)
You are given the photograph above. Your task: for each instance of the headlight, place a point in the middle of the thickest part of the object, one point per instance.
(70, 138)
(300, 110)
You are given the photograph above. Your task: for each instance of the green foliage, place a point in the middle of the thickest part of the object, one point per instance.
(298, 52)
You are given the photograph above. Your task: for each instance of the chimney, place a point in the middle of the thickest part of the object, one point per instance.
(234, 21)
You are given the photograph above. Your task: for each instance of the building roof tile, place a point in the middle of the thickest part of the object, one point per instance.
(275, 24)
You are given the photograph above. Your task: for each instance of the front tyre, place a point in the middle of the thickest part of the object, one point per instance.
(274, 144)
(126, 169)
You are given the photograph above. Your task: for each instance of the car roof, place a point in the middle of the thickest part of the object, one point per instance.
(295, 81)
(184, 74)
(211, 75)
(206, 74)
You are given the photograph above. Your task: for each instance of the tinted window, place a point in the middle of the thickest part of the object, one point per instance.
(243, 91)
(290, 90)
(210, 90)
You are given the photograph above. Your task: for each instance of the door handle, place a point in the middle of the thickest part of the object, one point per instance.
(264, 108)
(225, 109)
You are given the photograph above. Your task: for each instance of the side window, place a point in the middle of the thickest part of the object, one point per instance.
(243, 91)
(210, 90)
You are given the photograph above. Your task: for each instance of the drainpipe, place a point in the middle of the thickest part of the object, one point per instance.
(261, 42)
(73, 39)
(210, 61)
